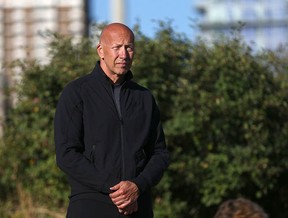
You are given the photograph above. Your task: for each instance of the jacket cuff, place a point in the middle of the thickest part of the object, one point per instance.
(108, 184)
(141, 183)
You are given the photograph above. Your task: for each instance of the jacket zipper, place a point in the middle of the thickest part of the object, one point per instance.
(92, 158)
(123, 170)
(122, 150)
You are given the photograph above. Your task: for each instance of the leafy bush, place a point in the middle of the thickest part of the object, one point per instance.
(229, 130)
(27, 156)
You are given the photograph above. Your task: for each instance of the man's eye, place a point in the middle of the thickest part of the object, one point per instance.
(130, 49)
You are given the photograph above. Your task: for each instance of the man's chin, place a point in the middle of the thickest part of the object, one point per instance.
(122, 71)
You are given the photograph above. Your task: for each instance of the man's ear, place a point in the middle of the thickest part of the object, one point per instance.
(100, 51)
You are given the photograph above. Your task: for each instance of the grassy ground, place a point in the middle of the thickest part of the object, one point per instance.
(22, 206)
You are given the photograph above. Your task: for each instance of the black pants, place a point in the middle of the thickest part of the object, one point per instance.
(88, 208)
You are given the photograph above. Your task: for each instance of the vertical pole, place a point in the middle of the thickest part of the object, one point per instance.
(117, 8)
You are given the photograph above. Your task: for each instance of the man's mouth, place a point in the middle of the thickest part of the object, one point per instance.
(123, 64)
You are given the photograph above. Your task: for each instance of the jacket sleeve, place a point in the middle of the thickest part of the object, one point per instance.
(157, 153)
(68, 134)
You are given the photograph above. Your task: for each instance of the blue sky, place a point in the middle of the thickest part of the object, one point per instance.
(147, 12)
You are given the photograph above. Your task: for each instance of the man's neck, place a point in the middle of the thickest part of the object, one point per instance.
(114, 78)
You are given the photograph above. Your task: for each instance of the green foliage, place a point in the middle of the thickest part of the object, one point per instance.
(160, 62)
(27, 156)
(224, 109)
(229, 129)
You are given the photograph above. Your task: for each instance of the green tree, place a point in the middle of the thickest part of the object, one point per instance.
(229, 130)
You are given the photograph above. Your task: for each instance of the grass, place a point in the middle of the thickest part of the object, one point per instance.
(22, 206)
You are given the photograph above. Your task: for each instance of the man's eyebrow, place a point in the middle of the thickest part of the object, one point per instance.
(119, 44)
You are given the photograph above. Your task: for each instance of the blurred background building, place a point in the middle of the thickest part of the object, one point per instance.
(265, 21)
(22, 25)
(23, 21)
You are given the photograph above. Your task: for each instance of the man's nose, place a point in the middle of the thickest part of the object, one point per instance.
(123, 53)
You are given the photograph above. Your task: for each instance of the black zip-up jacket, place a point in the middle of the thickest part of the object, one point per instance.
(97, 148)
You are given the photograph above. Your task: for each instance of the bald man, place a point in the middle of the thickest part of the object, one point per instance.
(108, 135)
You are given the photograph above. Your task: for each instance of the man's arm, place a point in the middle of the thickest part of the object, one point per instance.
(68, 133)
(157, 153)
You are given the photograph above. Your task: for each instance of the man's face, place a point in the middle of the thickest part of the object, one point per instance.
(116, 50)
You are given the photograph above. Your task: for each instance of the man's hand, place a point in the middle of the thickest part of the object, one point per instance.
(124, 196)
(129, 209)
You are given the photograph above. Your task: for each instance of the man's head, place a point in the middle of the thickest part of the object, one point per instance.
(116, 50)
(240, 208)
